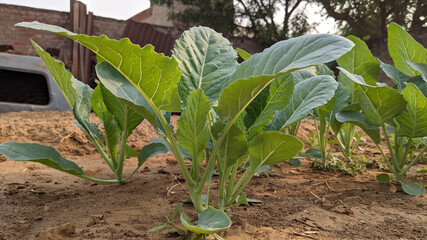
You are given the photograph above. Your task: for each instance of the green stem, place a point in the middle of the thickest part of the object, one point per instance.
(415, 159)
(103, 154)
(99, 180)
(388, 143)
(122, 153)
(130, 175)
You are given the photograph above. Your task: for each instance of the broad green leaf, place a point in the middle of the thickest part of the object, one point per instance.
(301, 75)
(111, 127)
(151, 150)
(313, 153)
(261, 110)
(64, 79)
(296, 162)
(130, 152)
(124, 114)
(358, 119)
(243, 54)
(270, 148)
(309, 94)
(193, 130)
(210, 221)
(256, 73)
(35, 152)
(206, 60)
(413, 121)
(420, 67)
(77, 93)
(422, 170)
(378, 103)
(403, 47)
(322, 69)
(154, 75)
(117, 85)
(359, 60)
(335, 105)
(234, 145)
(400, 79)
(383, 178)
(414, 189)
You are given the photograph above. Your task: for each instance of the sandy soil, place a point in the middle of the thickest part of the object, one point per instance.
(37, 202)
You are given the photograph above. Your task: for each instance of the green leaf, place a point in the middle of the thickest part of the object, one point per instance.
(111, 127)
(378, 103)
(117, 85)
(296, 162)
(206, 60)
(35, 152)
(313, 153)
(121, 111)
(64, 79)
(193, 130)
(383, 178)
(130, 152)
(210, 221)
(335, 105)
(403, 47)
(322, 69)
(309, 94)
(359, 60)
(234, 145)
(242, 200)
(358, 119)
(261, 110)
(270, 148)
(401, 79)
(155, 76)
(420, 67)
(301, 75)
(413, 121)
(77, 93)
(414, 189)
(151, 150)
(256, 73)
(243, 54)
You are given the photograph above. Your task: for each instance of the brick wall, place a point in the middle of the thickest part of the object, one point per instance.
(19, 38)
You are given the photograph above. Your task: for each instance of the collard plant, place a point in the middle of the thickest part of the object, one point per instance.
(118, 120)
(223, 126)
(400, 112)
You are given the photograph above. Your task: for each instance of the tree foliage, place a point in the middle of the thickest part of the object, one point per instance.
(251, 18)
(368, 19)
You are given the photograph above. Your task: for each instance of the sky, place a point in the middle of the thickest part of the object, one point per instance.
(124, 9)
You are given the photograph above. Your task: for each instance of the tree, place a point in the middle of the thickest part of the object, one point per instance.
(368, 19)
(259, 18)
(251, 18)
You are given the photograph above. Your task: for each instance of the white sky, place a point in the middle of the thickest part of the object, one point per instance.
(124, 9)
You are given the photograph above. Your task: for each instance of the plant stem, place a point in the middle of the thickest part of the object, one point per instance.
(122, 153)
(103, 154)
(415, 159)
(100, 180)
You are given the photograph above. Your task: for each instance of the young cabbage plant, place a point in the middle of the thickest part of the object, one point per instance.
(401, 113)
(118, 120)
(215, 91)
(359, 60)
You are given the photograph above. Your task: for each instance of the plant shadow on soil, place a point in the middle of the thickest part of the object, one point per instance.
(37, 202)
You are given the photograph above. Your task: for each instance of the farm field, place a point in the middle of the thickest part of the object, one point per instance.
(37, 202)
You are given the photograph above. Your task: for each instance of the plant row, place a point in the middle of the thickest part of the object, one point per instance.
(238, 118)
